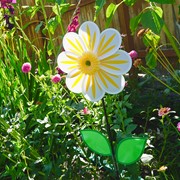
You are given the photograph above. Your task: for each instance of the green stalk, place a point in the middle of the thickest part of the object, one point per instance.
(171, 39)
(164, 141)
(111, 141)
(60, 20)
(78, 141)
(164, 61)
(148, 72)
(18, 137)
(165, 176)
(175, 128)
(27, 39)
(46, 22)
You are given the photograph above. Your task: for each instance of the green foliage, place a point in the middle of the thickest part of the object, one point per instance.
(130, 2)
(134, 22)
(154, 22)
(110, 11)
(163, 1)
(52, 25)
(98, 6)
(61, 8)
(42, 123)
(31, 11)
(151, 59)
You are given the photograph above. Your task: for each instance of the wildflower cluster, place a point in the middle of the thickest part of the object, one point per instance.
(73, 26)
(8, 13)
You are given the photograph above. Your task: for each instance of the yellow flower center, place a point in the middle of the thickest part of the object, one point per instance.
(88, 63)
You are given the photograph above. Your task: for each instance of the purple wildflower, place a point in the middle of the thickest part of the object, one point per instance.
(26, 67)
(178, 126)
(75, 22)
(56, 78)
(133, 54)
(59, 70)
(164, 111)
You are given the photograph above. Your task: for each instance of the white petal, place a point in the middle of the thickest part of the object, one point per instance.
(90, 34)
(111, 84)
(110, 41)
(91, 89)
(73, 43)
(67, 61)
(74, 81)
(118, 63)
(146, 158)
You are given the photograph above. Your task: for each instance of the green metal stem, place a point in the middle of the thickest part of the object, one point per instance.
(111, 141)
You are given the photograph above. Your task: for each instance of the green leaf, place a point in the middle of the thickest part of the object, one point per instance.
(49, 48)
(51, 1)
(98, 6)
(150, 19)
(38, 27)
(60, 1)
(56, 1)
(52, 24)
(110, 11)
(130, 128)
(159, 11)
(151, 59)
(37, 2)
(32, 10)
(129, 2)
(151, 39)
(134, 170)
(96, 142)
(134, 23)
(129, 150)
(163, 1)
(60, 9)
(127, 121)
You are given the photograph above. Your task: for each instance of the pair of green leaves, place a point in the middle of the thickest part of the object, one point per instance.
(128, 150)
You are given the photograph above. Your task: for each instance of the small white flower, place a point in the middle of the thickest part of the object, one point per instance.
(146, 158)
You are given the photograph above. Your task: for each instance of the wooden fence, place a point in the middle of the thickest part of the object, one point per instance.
(120, 21)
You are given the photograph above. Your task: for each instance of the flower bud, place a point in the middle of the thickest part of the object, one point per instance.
(56, 78)
(26, 67)
(133, 54)
(137, 62)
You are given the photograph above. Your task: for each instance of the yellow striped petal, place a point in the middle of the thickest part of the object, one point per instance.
(118, 63)
(67, 62)
(111, 84)
(73, 43)
(90, 34)
(74, 81)
(91, 89)
(110, 41)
